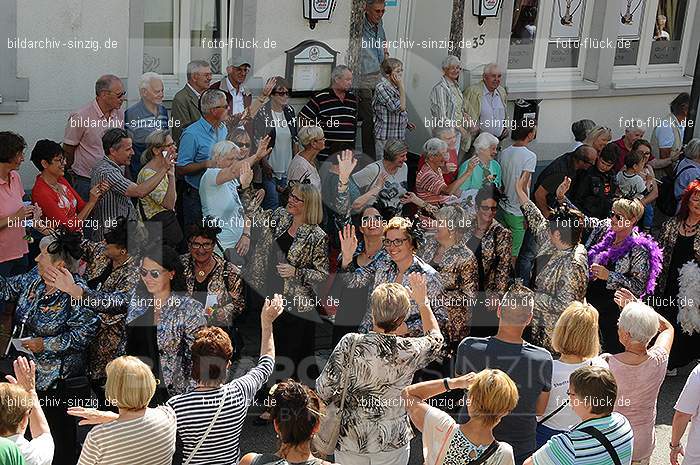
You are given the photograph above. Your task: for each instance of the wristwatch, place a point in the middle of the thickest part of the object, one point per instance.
(676, 447)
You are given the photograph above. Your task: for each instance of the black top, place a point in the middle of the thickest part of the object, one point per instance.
(201, 290)
(98, 281)
(276, 284)
(474, 244)
(554, 174)
(682, 252)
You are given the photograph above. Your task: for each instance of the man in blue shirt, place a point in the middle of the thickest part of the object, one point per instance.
(195, 150)
(145, 116)
(372, 52)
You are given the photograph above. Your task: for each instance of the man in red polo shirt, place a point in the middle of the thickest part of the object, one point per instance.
(625, 144)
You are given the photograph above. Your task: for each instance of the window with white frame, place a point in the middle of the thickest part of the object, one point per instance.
(653, 37)
(546, 38)
(178, 31)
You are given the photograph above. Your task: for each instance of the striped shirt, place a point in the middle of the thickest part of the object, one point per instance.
(196, 409)
(337, 118)
(580, 448)
(149, 439)
(114, 202)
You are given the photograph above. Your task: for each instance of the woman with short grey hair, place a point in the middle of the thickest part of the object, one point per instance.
(639, 371)
(485, 169)
(157, 209)
(303, 168)
(374, 368)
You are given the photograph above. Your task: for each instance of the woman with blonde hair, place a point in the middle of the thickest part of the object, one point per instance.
(291, 257)
(576, 339)
(598, 138)
(120, 438)
(491, 396)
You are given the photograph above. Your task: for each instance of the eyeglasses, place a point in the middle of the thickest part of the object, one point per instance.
(167, 146)
(298, 199)
(202, 245)
(485, 208)
(119, 95)
(281, 92)
(60, 160)
(242, 144)
(220, 106)
(155, 274)
(372, 218)
(617, 216)
(395, 242)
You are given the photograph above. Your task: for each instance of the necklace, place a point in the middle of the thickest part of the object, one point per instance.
(690, 229)
(201, 273)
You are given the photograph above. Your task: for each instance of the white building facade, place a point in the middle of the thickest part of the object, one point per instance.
(607, 60)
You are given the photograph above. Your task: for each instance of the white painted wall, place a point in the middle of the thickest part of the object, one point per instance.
(63, 79)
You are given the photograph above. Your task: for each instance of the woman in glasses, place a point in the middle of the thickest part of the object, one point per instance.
(210, 280)
(303, 165)
(491, 243)
(291, 257)
(561, 272)
(402, 238)
(456, 264)
(58, 330)
(59, 202)
(276, 119)
(157, 209)
(619, 256)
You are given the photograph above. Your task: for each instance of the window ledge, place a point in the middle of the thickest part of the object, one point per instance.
(640, 83)
(550, 86)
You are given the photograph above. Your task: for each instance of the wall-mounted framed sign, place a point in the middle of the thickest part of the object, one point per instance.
(309, 66)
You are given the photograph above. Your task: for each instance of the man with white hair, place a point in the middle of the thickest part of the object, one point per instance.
(145, 116)
(485, 102)
(185, 109)
(625, 144)
(446, 102)
(195, 150)
(335, 111)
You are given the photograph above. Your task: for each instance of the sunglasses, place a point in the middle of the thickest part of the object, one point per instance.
(395, 242)
(485, 208)
(242, 144)
(298, 199)
(617, 216)
(155, 274)
(119, 95)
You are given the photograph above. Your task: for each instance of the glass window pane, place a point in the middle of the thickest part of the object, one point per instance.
(205, 32)
(628, 31)
(523, 32)
(668, 32)
(158, 34)
(565, 34)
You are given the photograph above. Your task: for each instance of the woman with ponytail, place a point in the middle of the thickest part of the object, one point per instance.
(296, 414)
(58, 331)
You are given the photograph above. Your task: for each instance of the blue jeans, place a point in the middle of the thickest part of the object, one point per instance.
(648, 219)
(272, 198)
(526, 257)
(191, 207)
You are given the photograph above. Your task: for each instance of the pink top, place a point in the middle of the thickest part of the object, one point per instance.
(84, 129)
(12, 238)
(637, 391)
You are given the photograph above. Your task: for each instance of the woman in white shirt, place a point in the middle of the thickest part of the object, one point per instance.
(576, 338)
(137, 434)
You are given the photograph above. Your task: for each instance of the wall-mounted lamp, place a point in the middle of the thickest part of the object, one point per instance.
(485, 9)
(318, 10)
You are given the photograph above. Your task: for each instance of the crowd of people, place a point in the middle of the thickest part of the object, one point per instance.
(510, 317)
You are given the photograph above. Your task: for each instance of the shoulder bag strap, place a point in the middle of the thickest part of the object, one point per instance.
(486, 454)
(206, 433)
(593, 431)
(346, 374)
(554, 412)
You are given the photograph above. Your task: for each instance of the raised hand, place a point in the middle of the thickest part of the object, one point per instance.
(246, 176)
(269, 87)
(25, 374)
(91, 416)
(263, 151)
(348, 242)
(418, 288)
(346, 163)
(272, 309)
(563, 188)
(623, 297)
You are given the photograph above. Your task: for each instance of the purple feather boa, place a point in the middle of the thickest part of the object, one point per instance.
(604, 252)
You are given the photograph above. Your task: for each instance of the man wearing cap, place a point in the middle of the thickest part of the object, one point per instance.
(242, 105)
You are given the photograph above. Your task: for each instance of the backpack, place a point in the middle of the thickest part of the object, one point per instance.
(667, 202)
